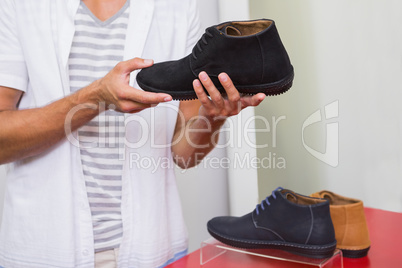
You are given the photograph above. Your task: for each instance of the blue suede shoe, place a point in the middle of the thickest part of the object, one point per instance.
(286, 221)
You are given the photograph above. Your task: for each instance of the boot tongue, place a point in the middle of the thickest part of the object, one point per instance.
(231, 30)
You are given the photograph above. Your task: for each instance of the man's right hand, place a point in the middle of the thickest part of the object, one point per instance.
(115, 92)
(29, 132)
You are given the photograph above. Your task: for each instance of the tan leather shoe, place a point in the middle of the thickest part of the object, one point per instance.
(350, 225)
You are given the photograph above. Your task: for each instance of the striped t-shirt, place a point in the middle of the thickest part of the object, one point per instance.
(97, 47)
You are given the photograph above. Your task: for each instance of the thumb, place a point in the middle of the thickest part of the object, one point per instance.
(137, 63)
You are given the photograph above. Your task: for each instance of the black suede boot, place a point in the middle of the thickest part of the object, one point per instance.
(285, 220)
(250, 52)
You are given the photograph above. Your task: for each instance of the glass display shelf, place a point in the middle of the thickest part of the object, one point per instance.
(212, 249)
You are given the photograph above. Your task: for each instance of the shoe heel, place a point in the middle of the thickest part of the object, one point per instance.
(283, 89)
(315, 252)
(354, 254)
(271, 89)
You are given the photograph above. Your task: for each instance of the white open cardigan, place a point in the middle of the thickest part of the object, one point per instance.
(46, 216)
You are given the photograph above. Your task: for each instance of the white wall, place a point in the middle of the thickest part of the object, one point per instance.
(230, 10)
(350, 53)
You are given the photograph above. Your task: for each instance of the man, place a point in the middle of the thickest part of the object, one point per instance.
(57, 179)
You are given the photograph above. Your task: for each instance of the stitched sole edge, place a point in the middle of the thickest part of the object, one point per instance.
(270, 89)
(311, 251)
(355, 254)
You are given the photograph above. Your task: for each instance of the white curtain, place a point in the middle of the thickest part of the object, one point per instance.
(204, 189)
(241, 151)
(222, 187)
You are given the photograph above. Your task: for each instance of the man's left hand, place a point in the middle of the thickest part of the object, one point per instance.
(217, 108)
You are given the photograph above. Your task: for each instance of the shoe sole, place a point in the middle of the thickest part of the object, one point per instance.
(355, 254)
(310, 251)
(270, 89)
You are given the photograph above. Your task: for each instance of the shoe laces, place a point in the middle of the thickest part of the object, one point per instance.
(203, 40)
(267, 201)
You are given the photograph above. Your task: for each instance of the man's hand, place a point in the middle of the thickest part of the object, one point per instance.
(115, 92)
(28, 132)
(217, 108)
(207, 114)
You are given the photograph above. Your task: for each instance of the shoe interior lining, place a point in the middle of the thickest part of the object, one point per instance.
(338, 200)
(233, 31)
(301, 199)
(248, 27)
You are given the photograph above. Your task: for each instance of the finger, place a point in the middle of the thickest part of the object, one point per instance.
(201, 95)
(145, 97)
(134, 64)
(137, 110)
(252, 100)
(132, 106)
(215, 95)
(231, 91)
